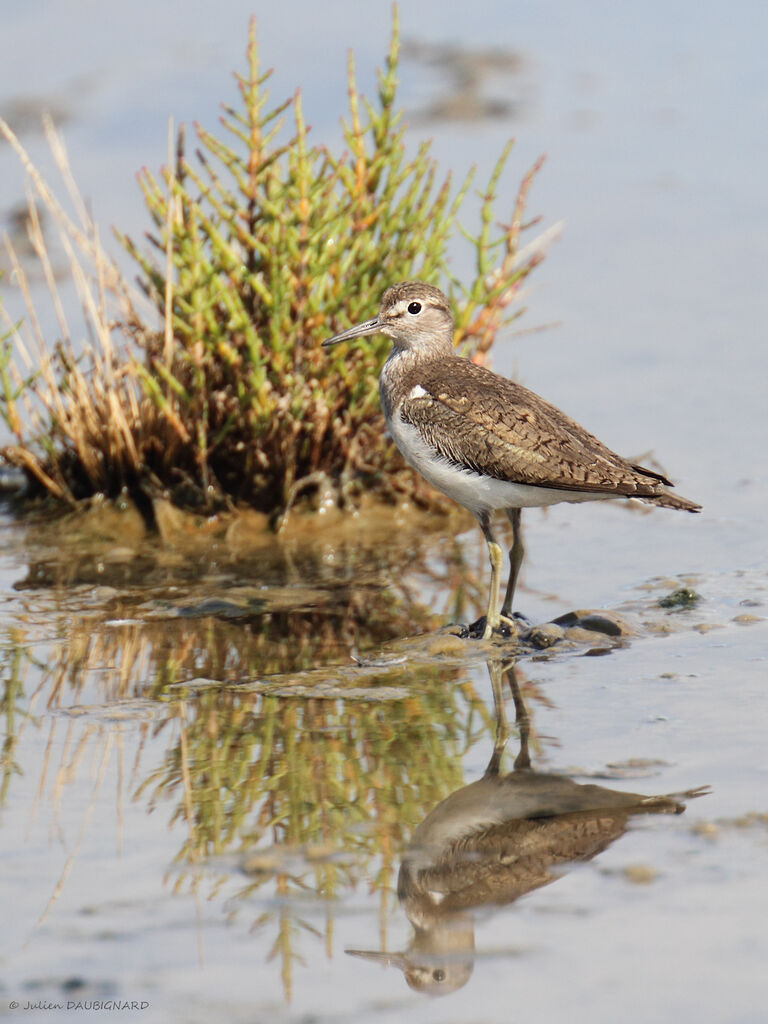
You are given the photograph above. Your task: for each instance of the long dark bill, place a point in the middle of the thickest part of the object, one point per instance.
(368, 327)
(388, 959)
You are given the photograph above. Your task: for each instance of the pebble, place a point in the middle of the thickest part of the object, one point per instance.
(596, 622)
(706, 829)
(683, 597)
(577, 635)
(611, 626)
(545, 635)
(640, 874)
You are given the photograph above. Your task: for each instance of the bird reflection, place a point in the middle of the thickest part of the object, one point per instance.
(495, 840)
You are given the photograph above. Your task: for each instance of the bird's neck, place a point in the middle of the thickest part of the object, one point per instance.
(400, 372)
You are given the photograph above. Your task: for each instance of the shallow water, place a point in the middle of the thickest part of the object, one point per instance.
(177, 826)
(206, 800)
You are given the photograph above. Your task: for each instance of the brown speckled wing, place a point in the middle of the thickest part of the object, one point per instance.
(478, 419)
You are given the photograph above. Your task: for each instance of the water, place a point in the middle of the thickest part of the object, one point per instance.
(129, 802)
(179, 826)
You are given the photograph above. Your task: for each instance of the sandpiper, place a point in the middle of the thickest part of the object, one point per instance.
(486, 442)
(495, 840)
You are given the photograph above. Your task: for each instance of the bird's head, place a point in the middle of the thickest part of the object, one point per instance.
(413, 314)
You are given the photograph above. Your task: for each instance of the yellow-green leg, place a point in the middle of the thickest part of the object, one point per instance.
(496, 556)
(496, 672)
(516, 553)
(499, 671)
(522, 720)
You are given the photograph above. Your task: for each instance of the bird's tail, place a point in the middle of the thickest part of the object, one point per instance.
(664, 498)
(668, 500)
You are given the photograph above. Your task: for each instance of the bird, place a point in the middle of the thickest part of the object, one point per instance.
(485, 441)
(497, 839)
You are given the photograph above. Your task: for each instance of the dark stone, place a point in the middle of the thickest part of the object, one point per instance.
(683, 597)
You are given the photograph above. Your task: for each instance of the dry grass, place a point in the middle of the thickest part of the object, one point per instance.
(81, 423)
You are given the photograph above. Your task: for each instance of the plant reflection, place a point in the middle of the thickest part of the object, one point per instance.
(288, 776)
(493, 841)
(291, 776)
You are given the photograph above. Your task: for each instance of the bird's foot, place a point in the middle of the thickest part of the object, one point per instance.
(480, 630)
(517, 620)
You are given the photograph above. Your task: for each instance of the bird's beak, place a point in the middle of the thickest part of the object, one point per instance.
(368, 327)
(376, 956)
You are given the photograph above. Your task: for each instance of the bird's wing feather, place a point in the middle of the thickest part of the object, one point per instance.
(478, 419)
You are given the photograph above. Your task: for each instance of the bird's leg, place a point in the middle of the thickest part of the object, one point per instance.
(497, 671)
(522, 718)
(516, 553)
(496, 556)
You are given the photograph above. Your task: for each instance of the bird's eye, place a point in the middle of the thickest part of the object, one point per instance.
(415, 307)
(438, 975)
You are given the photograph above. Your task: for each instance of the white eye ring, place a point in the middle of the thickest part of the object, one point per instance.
(414, 308)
